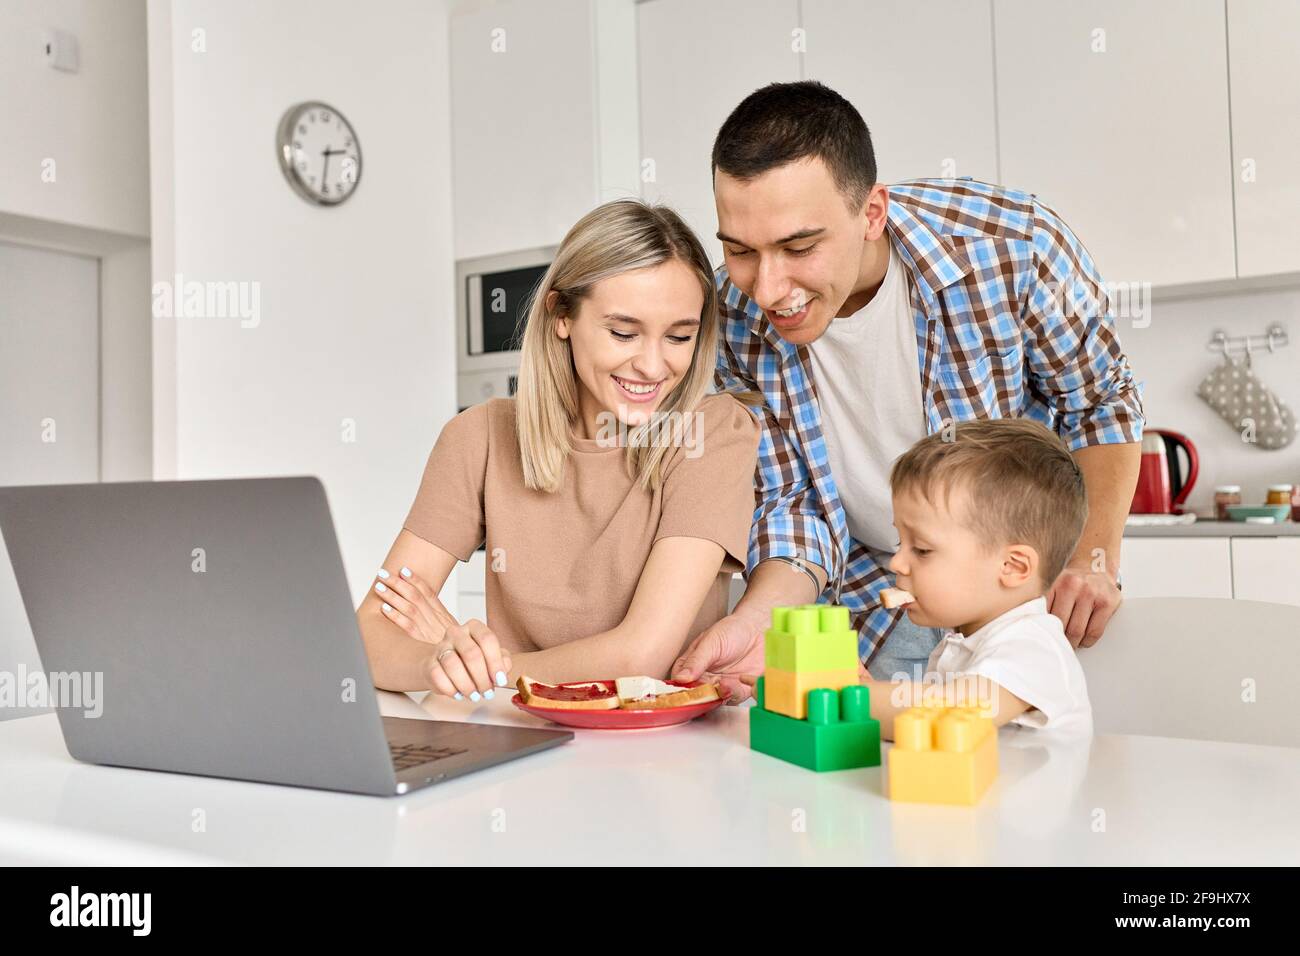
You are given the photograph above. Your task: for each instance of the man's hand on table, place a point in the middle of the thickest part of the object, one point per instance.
(729, 651)
(1084, 600)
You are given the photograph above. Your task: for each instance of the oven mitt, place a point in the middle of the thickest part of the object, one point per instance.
(1236, 394)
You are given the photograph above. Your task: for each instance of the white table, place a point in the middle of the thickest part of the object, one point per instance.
(692, 794)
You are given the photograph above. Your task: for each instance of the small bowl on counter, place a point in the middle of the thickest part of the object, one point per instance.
(1278, 513)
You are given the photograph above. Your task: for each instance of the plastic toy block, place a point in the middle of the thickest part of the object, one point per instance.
(942, 755)
(814, 637)
(787, 691)
(839, 733)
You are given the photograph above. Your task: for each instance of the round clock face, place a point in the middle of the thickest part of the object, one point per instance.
(319, 153)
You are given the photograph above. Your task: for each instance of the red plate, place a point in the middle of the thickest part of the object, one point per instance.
(620, 719)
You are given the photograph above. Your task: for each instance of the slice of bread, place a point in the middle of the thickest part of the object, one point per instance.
(590, 695)
(671, 695)
(895, 597)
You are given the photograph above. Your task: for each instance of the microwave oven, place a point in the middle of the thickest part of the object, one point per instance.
(493, 294)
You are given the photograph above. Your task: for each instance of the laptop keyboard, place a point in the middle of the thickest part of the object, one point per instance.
(406, 756)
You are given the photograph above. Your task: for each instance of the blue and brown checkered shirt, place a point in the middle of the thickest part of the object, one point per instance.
(995, 279)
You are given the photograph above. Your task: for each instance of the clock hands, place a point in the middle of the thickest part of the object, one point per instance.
(324, 173)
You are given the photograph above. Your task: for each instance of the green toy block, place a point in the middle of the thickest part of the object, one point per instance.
(814, 637)
(839, 733)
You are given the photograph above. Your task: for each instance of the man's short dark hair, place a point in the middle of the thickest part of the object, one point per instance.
(785, 122)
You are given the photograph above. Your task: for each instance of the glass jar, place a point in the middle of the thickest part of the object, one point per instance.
(1225, 495)
(1279, 495)
(1295, 502)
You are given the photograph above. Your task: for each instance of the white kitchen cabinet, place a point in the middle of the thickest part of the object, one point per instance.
(930, 109)
(1266, 569)
(1176, 567)
(696, 62)
(1116, 115)
(543, 118)
(1263, 46)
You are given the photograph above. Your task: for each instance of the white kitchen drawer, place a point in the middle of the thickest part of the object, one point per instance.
(1266, 569)
(1176, 567)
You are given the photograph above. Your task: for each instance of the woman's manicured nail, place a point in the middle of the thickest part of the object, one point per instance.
(489, 694)
(406, 572)
(387, 609)
(379, 586)
(475, 697)
(501, 678)
(458, 696)
(383, 574)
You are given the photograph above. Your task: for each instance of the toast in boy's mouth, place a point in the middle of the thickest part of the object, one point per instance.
(891, 598)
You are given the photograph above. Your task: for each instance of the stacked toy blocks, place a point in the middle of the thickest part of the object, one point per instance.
(810, 709)
(942, 755)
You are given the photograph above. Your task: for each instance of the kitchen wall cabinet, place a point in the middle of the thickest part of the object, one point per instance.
(543, 119)
(1116, 115)
(1263, 45)
(696, 62)
(930, 110)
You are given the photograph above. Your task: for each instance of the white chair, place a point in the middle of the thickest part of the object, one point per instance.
(1205, 668)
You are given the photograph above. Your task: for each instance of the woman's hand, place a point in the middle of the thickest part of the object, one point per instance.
(468, 662)
(410, 603)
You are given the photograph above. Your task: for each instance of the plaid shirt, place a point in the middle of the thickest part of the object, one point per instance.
(1011, 321)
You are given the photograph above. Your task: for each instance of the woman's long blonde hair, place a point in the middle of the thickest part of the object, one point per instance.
(613, 238)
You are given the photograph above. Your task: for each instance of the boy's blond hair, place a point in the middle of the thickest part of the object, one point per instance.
(1022, 483)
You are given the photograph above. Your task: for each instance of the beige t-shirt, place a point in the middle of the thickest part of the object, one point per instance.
(568, 562)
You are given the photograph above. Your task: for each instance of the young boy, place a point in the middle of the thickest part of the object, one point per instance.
(988, 512)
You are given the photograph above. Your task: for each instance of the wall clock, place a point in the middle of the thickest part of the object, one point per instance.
(319, 153)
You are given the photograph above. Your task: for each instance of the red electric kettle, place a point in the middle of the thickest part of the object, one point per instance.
(1161, 487)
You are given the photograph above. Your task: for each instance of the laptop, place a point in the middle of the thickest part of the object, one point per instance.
(210, 625)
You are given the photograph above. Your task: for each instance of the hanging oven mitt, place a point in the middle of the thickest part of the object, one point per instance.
(1237, 395)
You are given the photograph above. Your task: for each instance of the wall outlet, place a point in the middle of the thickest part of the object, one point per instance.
(61, 51)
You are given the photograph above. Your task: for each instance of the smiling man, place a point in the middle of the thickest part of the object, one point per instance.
(869, 316)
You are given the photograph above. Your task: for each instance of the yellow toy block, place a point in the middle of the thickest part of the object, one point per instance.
(942, 755)
(787, 691)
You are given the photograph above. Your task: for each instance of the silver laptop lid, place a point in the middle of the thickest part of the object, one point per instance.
(218, 616)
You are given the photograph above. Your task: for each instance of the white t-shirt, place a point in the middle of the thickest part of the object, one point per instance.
(868, 377)
(1024, 650)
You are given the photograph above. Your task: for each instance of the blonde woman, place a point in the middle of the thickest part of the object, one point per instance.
(614, 495)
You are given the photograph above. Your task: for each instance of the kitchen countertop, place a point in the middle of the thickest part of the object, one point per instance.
(694, 794)
(1214, 529)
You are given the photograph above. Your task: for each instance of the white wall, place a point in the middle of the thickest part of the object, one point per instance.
(355, 301)
(126, 392)
(92, 124)
(1170, 359)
